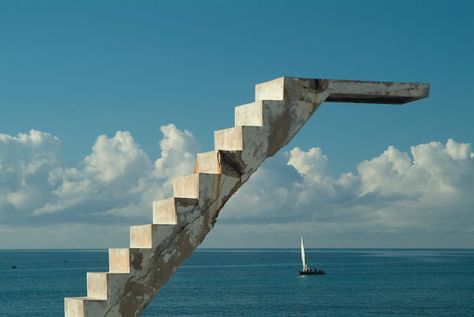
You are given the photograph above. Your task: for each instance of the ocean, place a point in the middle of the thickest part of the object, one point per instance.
(260, 282)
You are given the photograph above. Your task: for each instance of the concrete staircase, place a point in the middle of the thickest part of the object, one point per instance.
(180, 223)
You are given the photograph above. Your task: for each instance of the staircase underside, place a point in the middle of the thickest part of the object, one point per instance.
(181, 222)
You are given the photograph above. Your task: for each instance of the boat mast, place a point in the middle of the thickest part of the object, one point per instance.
(303, 256)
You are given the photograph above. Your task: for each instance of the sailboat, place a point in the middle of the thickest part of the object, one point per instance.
(306, 269)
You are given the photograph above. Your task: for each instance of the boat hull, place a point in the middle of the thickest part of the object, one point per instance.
(312, 273)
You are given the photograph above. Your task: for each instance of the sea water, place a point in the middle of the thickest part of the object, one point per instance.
(259, 283)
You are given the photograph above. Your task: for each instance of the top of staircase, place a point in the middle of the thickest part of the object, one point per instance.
(353, 91)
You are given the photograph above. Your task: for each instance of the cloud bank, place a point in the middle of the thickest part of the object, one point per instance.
(116, 180)
(421, 198)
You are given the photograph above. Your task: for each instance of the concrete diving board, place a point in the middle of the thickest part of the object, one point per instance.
(382, 92)
(333, 90)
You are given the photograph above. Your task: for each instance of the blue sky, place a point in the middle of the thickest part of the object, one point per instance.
(78, 70)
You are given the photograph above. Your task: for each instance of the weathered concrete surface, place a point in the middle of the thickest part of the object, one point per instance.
(181, 222)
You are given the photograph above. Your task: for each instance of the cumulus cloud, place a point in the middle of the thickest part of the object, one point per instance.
(424, 196)
(117, 159)
(26, 161)
(116, 180)
(178, 153)
(426, 193)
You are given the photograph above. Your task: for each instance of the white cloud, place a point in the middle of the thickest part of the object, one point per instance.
(311, 164)
(421, 198)
(178, 153)
(25, 163)
(117, 159)
(116, 179)
(427, 194)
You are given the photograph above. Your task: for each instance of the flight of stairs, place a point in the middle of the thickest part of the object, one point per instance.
(181, 222)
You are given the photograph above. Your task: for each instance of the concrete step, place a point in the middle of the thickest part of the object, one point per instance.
(208, 162)
(105, 285)
(249, 114)
(172, 210)
(97, 285)
(119, 260)
(127, 260)
(83, 307)
(270, 114)
(271, 90)
(220, 162)
(149, 235)
(237, 138)
(201, 186)
(186, 186)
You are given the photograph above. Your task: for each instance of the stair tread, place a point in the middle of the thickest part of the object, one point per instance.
(85, 298)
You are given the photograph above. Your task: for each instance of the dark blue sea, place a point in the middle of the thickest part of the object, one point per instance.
(259, 282)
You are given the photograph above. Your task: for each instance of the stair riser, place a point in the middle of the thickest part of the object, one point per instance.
(74, 307)
(119, 260)
(174, 210)
(186, 186)
(249, 114)
(164, 212)
(229, 139)
(82, 307)
(107, 286)
(203, 187)
(270, 90)
(228, 163)
(97, 285)
(208, 162)
(150, 236)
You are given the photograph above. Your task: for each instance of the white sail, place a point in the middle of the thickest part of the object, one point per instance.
(303, 256)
